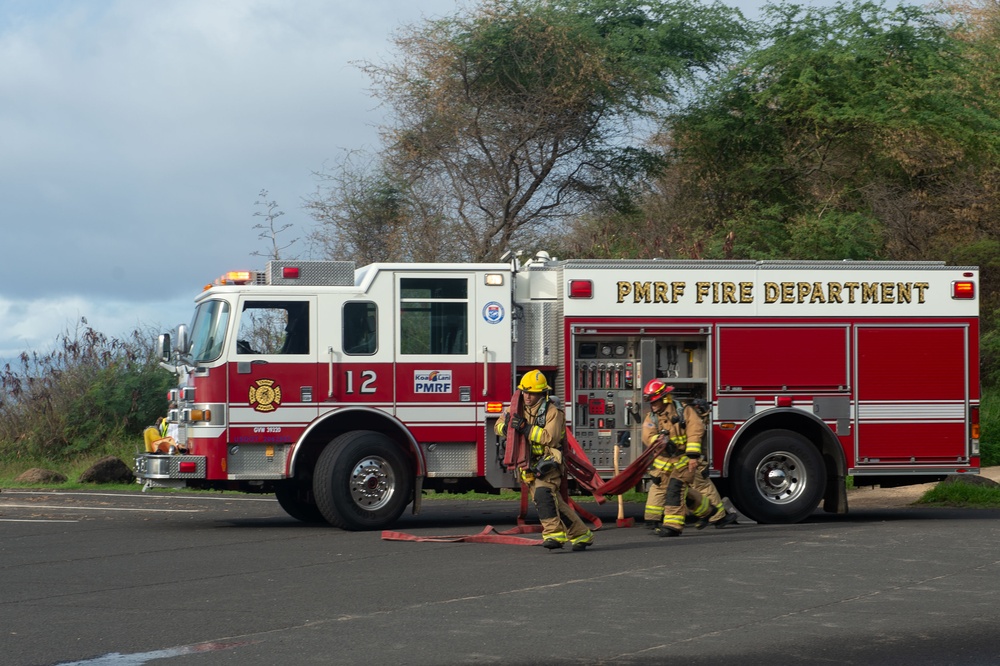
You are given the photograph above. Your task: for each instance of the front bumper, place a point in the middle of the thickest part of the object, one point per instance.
(150, 466)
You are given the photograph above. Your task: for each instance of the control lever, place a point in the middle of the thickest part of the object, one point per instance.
(630, 412)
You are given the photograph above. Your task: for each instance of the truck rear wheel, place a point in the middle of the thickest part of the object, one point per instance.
(298, 502)
(362, 481)
(779, 477)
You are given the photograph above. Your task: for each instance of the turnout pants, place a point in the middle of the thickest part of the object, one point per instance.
(674, 495)
(703, 484)
(559, 521)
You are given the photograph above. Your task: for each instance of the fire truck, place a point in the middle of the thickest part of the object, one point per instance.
(349, 392)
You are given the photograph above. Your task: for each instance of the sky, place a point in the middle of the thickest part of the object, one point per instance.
(136, 136)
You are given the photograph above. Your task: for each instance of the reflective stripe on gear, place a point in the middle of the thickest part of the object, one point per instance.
(653, 513)
(703, 508)
(674, 521)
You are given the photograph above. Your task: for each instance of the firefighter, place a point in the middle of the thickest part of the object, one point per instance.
(544, 426)
(694, 417)
(672, 491)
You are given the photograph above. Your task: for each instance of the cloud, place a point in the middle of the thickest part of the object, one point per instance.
(136, 137)
(39, 325)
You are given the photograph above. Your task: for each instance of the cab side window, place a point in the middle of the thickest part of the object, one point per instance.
(273, 327)
(433, 316)
(360, 328)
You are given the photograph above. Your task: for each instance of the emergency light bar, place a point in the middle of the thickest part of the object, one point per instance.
(235, 277)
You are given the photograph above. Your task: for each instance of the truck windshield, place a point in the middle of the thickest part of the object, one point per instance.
(208, 330)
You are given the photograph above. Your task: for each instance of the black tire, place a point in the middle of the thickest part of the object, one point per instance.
(298, 502)
(778, 478)
(362, 481)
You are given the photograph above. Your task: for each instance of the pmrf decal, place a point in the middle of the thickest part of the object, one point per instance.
(432, 381)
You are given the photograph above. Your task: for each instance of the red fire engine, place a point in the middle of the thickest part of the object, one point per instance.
(347, 392)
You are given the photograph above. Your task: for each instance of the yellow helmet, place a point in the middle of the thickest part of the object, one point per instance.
(533, 381)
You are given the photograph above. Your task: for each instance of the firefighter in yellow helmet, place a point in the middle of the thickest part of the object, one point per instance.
(674, 471)
(544, 425)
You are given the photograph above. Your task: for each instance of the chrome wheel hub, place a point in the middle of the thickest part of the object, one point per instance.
(372, 483)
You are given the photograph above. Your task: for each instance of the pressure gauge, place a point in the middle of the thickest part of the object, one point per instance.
(620, 350)
(605, 350)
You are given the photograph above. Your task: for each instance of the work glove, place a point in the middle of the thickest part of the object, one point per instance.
(518, 424)
(546, 465)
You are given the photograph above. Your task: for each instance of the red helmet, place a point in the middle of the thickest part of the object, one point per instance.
(655, 389)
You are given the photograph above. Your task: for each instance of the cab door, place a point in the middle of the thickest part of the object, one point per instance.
(435, 367)
(452, 353)
(272, 382)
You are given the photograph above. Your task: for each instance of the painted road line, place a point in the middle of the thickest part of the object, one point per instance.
(137, 496)
(92, 508)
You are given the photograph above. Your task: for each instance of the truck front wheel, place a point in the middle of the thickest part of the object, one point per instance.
(779, 477)
(362, 481)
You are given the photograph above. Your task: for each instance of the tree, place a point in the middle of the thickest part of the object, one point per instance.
(851, 122)
(269, 230)
(516, 115)
(369, 215)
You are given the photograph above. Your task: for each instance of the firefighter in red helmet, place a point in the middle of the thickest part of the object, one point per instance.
(544, 425)
(673, 474)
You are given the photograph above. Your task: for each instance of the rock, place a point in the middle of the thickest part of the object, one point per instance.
(971, 479)
(108, 470)
(39, 475)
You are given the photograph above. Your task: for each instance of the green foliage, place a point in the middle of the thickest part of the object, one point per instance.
(513, 115)
(962, 494)
(851, 131)
(90, 393)
(989, 422)
(769, 233)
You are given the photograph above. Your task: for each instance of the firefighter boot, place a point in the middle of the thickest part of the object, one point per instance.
(664, 531)
(581, 542)
(720, 518)
(552, 544)
(726, 520)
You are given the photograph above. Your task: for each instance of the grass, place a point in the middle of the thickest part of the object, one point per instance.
(989, 422)
(12, 467)
(962, 494)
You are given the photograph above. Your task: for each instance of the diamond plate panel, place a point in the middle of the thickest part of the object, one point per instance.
(450, 459)
(318, 273)
(251, 461)
(539, 344)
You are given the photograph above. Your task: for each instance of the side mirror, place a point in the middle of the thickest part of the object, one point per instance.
(163, 347)
(183, 339)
